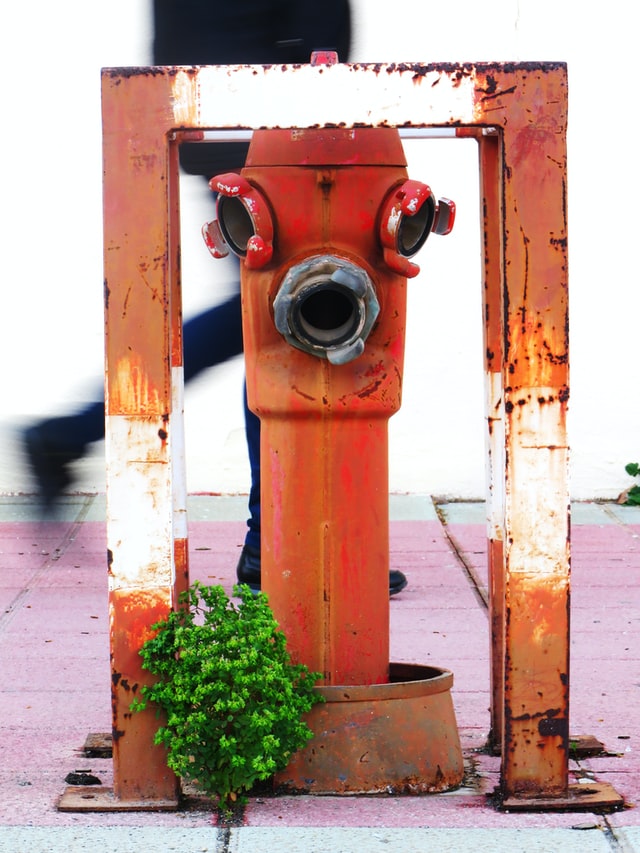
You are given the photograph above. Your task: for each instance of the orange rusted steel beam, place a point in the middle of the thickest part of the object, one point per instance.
(146, 498)
(491, 217)
(531, 105)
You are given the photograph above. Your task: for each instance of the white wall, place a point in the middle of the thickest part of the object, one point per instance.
(51, 296)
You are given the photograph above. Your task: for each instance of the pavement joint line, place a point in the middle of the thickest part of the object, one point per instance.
(610, 835)
(476, 585)
(616, 519)
(223, 840)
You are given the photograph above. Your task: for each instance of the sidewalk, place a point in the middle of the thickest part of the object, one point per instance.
(54, 658)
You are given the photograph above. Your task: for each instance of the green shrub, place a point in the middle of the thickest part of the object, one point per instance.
(633, 494)
(232, 698)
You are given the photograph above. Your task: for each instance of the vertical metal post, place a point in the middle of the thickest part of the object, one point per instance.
(491, 216)
(535, 383)
(145, 484)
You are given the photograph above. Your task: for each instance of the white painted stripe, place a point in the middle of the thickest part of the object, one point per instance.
(138, 503)
(495, 458)
(177, 451)
(305, 96)
(537, 499)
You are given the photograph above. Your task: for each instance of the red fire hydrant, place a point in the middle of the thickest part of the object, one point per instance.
(325, 221)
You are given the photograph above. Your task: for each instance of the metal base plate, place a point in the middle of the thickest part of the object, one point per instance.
(591, 797)
(93, 798)
(98, 745)
(584, 746)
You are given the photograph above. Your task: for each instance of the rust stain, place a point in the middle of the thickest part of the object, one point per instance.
(301, 393)
(140, 767)
(376, 369)
(536, 685)
(129, 389)
(134, 613)
(370, 389)
(531, 137)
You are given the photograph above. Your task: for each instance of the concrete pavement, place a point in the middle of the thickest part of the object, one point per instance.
(54, 657)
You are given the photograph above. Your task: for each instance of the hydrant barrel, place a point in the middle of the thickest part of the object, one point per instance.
(324, 402)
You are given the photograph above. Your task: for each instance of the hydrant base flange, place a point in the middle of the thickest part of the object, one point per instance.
(395, 738)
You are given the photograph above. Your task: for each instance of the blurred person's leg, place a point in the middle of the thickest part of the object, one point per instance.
(52, 445)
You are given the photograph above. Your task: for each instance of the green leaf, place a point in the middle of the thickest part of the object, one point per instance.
(633, 496)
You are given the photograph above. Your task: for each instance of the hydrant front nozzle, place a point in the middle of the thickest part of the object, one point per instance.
(358, 284)
(326, 306)
(343, 355)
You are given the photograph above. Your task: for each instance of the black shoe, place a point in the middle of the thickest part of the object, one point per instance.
(49, 464)
(248, 571)
(397, 582)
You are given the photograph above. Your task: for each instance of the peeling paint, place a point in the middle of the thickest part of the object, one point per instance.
(340, 95)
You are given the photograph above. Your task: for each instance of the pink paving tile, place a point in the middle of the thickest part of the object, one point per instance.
(86, 653)
(75, 577)
(605, 577)
(472, 710)
(473, 536)
(469, 675)
(422, 593)
(217, 531)
(51, 710)
(603, 723)
(466, 808)
(620, 646)
(19, 536)
(418, 535)
(33, 673)
(599, 599)
(596, 536)
(83, 555)
(605, 621)
(60, 612)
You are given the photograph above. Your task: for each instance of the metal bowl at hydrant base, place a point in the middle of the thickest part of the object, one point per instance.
(398, 738)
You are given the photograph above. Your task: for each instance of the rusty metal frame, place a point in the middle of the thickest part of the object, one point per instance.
(518, 113)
